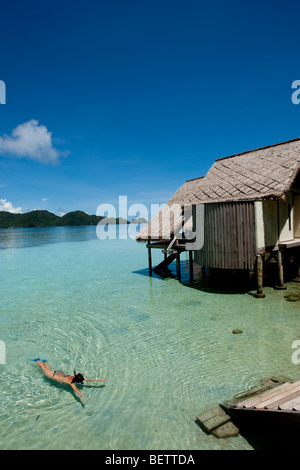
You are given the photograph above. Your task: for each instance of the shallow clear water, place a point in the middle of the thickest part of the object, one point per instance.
(166, 349)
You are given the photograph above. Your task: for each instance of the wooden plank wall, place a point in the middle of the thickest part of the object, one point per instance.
(229, 236)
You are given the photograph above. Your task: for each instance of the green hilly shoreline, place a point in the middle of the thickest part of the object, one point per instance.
(42, 218)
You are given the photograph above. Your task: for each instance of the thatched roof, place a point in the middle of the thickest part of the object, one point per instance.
(264, 173)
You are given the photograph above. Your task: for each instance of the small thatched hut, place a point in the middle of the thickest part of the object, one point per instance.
(247, 206)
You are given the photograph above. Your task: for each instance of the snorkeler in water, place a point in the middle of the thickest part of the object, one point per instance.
(62, 378)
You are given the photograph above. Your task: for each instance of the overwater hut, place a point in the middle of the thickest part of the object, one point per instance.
(242, 213)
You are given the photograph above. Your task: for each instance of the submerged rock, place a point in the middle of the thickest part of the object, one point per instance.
(237, 331)
(292, 297)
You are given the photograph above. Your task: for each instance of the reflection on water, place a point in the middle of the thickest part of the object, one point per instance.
(28, 237)
(35, 236)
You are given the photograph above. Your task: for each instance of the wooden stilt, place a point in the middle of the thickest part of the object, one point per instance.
(297, 278)
(191, 266)
(281, 285)
(149, 260)
(162, 267)
(178, 265)
(259, 273)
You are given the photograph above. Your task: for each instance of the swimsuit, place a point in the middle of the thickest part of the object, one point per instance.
(58, 372)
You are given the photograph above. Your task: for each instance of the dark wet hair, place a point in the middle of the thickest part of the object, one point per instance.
(78, 378)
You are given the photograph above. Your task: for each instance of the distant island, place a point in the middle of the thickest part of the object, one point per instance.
(42, 218)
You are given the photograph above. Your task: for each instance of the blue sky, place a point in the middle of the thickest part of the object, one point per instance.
(128, 97)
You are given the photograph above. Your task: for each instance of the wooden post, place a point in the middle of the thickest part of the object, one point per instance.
(297, 278)
(191, 266)
(281, 285)
(259, 273)
(149, 260)
(178, 265)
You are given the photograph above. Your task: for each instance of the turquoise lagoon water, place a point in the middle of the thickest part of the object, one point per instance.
(166, 349)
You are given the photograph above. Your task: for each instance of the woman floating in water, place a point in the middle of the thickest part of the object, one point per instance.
(62, 378)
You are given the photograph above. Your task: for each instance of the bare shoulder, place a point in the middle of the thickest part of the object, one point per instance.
(68, 379)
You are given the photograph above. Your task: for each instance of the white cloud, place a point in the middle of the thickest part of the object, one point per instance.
(60, 212)
(44, 199)
(7, 206)
(30, 140)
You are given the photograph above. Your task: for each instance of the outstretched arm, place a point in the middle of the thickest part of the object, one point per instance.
(78, 392)
(95, 380)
